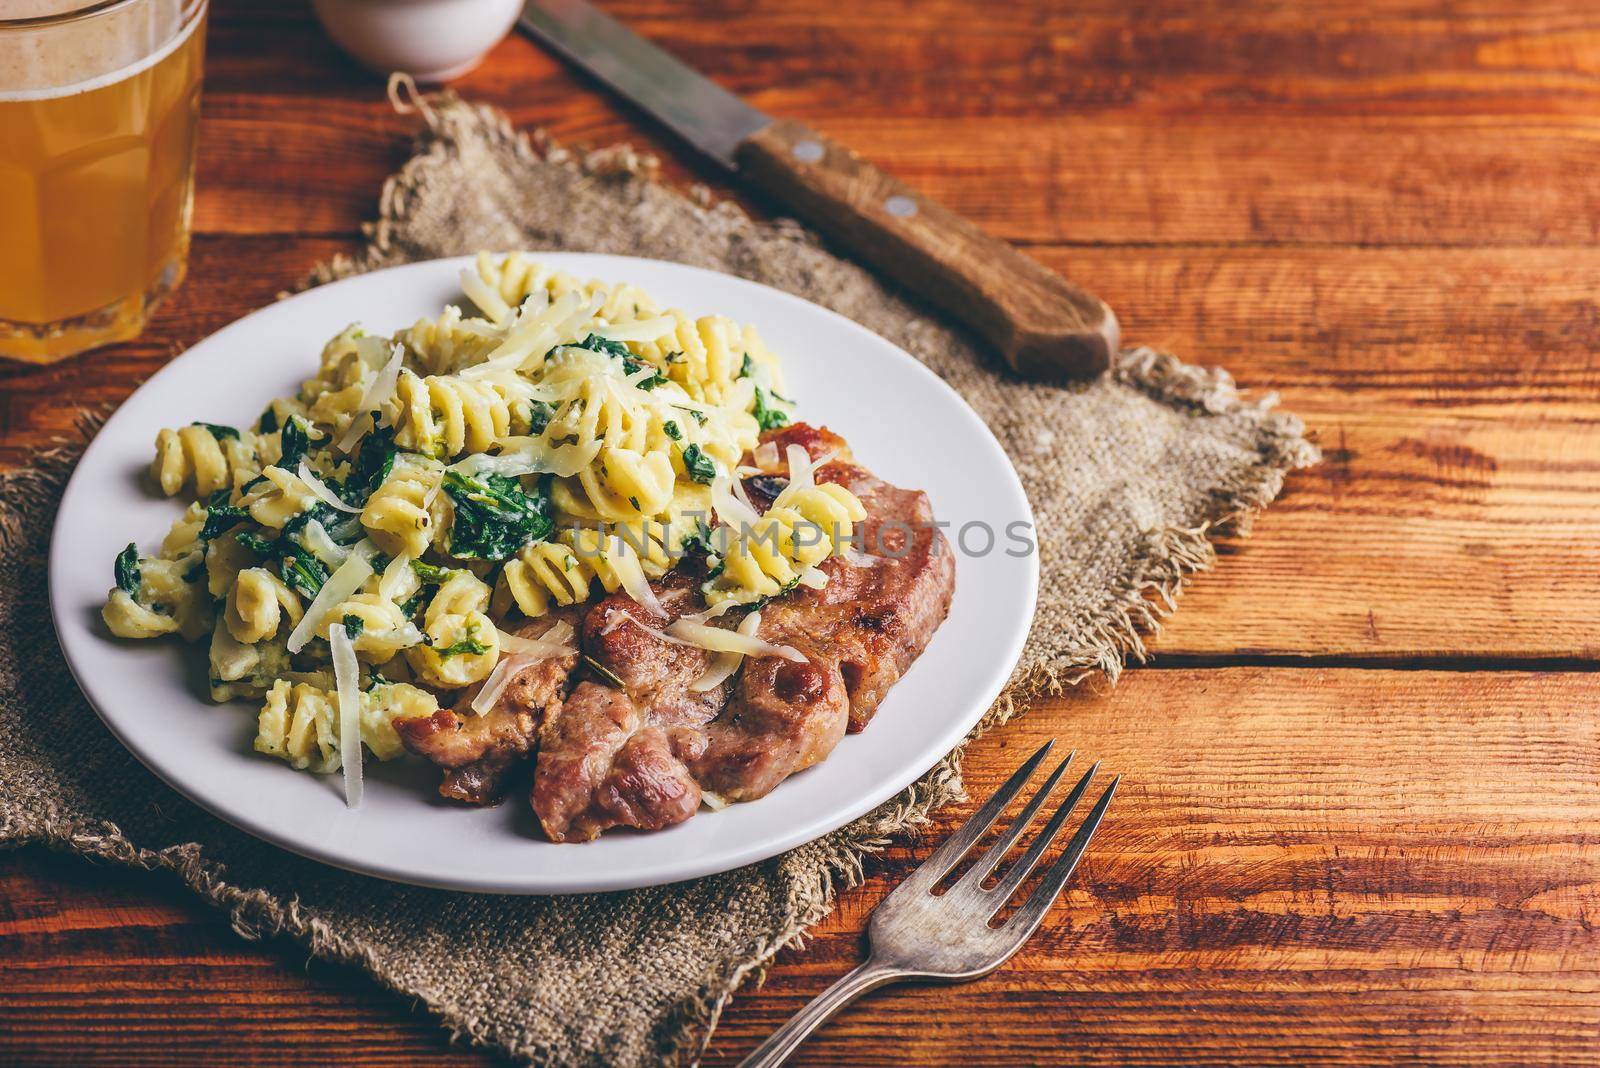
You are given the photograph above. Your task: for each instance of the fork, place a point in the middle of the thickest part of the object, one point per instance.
(915, 934)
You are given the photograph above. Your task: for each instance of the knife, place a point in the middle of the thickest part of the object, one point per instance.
(1045, 327)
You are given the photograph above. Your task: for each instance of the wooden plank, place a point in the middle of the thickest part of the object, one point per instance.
(1451, 326)
(107, 967)
(1460, 466)
(1303, 866)
(1454, 531)
(306, 167)
(312, 165)
(1425, 131)
(1326, 867)
(818, 58)
(1248, 177)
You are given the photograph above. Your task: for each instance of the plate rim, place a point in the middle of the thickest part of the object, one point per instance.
(547, 883)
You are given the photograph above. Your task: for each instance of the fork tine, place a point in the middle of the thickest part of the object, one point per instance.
(996, 853)
(1032, 911)
(948, 855)
(1013, 878)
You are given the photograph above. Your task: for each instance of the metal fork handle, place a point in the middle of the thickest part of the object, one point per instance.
(869, 975)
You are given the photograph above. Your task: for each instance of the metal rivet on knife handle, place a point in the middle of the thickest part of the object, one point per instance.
(900, 207)
(808, 151)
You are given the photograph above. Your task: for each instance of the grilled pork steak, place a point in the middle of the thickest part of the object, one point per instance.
(643, 754)
(477, 752)
(859, 634)
(601, 766)
(783, 718)
(603, 763)
(880, 608)
(656, 674)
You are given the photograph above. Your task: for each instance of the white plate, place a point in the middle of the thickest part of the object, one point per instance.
(902, 421)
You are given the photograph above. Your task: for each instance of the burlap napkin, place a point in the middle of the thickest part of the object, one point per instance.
(1127, 476)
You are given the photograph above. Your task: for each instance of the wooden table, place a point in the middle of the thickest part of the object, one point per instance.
(1361, 818)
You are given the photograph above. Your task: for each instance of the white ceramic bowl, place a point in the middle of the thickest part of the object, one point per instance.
(431, 40)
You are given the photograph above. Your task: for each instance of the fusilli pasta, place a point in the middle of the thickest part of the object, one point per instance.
(204, 459)
(446, 415)
(398, 516)
(419, 487)
(803, 527)
(299, 722)
(257, 605)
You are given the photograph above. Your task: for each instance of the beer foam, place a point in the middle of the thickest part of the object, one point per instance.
(81, 55)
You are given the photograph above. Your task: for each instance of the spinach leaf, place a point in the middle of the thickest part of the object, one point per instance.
(408, 608)
(467, 643)
(700, 467)
(374, 461)
(268, 421)
(221, 516)
(494, 516)
(296, 440)
(343, 527)
(429, 573)
(699, 416)
(596, 343)
(747, 367)
(266, 548)
(221, 433)
(711, 578)
(630, 363)
(299, 566)
(672, 430)
(301, 571)
(769, 418)
(127, 571)
(539, 416)
(701, 540)
(353, 626)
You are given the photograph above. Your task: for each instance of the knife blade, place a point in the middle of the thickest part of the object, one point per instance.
(692, 106)
(1044, 326)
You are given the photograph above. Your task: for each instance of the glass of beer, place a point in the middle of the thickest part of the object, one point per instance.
(99, 102)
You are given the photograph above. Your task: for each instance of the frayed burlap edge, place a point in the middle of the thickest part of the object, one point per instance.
(1171, 559)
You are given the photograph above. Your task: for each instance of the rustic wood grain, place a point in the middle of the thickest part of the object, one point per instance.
(1473, 489)
(308, 164)
(1245, 123)
(1302, 866)
(1385, 212)
(1429, 531)
(1333, 867)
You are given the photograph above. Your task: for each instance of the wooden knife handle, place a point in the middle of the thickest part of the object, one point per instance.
(1045, 327)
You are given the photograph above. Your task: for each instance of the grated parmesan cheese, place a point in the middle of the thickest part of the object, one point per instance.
(379, 392)
(726, 663)
(320, 489)
(340, 586)
(347, 683)
(556, 641)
